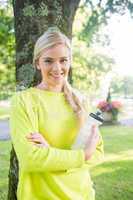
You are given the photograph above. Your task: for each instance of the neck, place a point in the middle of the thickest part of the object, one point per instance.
(44, 86)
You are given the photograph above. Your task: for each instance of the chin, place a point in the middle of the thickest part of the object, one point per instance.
(55, 82)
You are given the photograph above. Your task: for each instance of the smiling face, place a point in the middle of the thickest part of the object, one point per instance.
(54, 64)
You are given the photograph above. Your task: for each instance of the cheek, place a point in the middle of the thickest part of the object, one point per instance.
(67, 69)
(44, 71)
(44, 68)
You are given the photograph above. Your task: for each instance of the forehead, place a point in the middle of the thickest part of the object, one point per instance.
(57, 51)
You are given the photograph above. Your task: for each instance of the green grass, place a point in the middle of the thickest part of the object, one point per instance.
(5, 147)
(4, 112)
(113, 179)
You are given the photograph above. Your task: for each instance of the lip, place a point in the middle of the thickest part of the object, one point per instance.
(57, 75)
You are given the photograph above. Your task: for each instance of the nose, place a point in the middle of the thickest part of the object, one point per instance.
(57, 66)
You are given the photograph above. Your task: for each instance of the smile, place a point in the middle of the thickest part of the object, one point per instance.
(57, 75)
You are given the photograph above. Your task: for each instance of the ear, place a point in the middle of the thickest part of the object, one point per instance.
(37, 65)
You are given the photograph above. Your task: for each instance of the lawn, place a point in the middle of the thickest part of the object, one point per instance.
(5, 147)
(113, 179)
(4, 112)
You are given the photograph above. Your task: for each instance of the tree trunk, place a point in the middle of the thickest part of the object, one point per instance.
(32, 18)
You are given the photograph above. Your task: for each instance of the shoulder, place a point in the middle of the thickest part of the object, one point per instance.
(22, 96)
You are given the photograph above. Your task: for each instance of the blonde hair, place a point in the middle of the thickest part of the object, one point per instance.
(50, 38)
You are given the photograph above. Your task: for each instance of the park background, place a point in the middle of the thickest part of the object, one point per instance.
(102, 70)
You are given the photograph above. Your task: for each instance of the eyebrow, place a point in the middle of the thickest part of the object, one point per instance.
(54, 58)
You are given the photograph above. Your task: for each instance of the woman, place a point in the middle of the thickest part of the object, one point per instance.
(45, 120)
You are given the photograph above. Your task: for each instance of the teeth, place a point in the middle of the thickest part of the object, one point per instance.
(57, 74)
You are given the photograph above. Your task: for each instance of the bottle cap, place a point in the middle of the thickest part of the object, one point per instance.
(97, 116)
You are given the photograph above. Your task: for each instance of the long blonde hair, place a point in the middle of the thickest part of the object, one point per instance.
(51, 38)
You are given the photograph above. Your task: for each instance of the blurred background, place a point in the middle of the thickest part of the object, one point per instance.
(102, 70)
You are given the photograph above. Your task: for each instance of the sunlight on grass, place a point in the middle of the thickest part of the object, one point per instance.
(5, 148)
(4, 112)
(123, 155)
(113, 178)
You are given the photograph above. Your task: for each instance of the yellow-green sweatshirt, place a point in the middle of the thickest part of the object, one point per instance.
(56, 172)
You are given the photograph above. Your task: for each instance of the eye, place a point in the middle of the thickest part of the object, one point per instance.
(64, 60)
(48, 61)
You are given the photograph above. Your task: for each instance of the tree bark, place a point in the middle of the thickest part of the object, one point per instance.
(31, 19)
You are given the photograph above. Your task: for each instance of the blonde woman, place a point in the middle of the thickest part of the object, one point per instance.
(45, 120)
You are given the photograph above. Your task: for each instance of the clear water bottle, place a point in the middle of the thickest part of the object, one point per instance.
(85, 131)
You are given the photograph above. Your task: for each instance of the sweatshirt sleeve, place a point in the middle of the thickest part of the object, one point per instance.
(32, 158)
(98, 155)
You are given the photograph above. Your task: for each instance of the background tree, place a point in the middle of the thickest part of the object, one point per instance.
(122, 86)
(100, 13)
(90, 63)
(92, 17)
(7, 42)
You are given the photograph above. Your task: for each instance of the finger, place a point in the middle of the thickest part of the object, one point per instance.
(93, 131)
(30, 135)
(38, 140)
(95, 136)
(34, 135)
(35, 140)
(93, 128)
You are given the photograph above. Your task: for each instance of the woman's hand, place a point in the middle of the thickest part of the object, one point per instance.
(37, 139)
(92, 142)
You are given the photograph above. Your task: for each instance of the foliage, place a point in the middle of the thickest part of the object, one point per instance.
(31, 11)
(100, 13)
(7, 51)
(122, 85)
(89, 70)
(89, 64)
(92, 25)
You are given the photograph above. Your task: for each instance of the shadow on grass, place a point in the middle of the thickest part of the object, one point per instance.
(114, 180)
